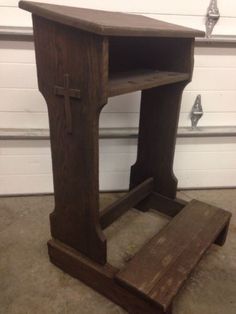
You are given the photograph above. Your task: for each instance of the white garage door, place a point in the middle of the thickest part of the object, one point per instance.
(25, 165)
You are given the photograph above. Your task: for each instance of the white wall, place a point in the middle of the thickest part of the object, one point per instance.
(25, 166)
(185, 12)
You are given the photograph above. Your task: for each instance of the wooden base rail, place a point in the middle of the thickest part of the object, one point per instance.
(162, 265)
(163, 204)
(109, 214)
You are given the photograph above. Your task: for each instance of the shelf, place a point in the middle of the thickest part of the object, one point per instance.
(127, 82)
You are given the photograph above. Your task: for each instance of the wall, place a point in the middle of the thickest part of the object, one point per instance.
(25, 166)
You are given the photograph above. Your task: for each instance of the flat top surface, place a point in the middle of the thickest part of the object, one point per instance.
(108, 23)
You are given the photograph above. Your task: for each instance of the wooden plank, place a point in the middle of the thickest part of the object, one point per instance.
(163, 204)
(127, 82)
(75, 220)
(167, 250)
(13, 17)
(100, 278)
(108, 23)
(176, 275)
(118, 208)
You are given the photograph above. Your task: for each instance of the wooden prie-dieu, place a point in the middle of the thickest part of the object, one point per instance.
(83, 57)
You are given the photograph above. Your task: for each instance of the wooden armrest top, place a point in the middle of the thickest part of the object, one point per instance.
(108, 23)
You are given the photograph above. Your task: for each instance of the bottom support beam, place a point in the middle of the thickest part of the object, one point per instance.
(100, 278)
(129, 200)
(163, 204)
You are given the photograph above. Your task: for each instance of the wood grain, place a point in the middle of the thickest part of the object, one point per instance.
(115, 210)
(159, 115)
(108, 23)
(61, 50)
(163, 204)
(100, 278)
(166, 261)
(127, 82)
(95, 55)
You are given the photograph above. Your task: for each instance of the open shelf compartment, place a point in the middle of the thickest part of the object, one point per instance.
(144, 63)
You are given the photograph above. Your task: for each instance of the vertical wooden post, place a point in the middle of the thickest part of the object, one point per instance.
(82, 57)
(159, 117)
(157, 135)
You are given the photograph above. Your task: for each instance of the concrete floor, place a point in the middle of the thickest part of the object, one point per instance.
(30, 284)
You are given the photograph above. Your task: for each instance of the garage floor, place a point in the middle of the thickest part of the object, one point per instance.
(30, 284)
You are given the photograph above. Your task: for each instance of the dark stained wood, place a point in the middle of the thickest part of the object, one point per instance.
(166, 261)
(75, 220)
(109, 214)
(127, 82)
(100, 278)
(159, 115)
(131, 54)
(67, 93)
(220, 240)
(108, 23)
(157, 136)
(163, 204)
(178, 273)
(84, 56)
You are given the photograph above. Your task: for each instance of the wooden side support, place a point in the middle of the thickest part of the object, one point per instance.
(118, 208)
(74, 140)
(101, 278)
(159, 115)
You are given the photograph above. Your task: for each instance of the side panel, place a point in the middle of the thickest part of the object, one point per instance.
(62, 50)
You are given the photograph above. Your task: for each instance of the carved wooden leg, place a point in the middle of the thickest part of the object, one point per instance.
(75, 220)
(70, 64)
(159, 116)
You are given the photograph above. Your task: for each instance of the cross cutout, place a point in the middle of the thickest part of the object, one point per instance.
(67, 93)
